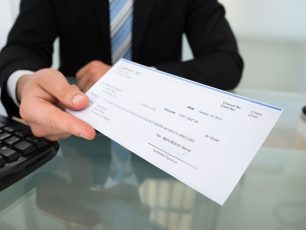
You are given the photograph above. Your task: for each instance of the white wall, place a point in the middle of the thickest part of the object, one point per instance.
(6, 20)
(274, 19)
(8, 12)
(14, 6)
(271, 36)
(272, 40)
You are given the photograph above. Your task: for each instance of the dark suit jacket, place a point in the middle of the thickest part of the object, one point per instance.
(158, 25)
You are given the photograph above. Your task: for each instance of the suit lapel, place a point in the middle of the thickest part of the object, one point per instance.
(142, 10)
(102, 12)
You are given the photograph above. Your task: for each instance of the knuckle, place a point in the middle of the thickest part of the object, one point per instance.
(43, 74)
(50, 123)
(25, 112)
(92, 80)
(95, 63)
(68, 90)
(97, 77)
(92, 69)
(37, 132)
(80, 86)
(78, 75)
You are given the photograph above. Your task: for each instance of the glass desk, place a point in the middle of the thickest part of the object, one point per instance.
(100, 185)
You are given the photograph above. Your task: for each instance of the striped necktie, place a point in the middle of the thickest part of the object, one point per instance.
(121, 16)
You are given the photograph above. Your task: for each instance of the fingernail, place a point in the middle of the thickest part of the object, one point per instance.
(77, 98)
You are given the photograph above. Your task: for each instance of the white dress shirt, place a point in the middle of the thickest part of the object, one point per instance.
(12, 83)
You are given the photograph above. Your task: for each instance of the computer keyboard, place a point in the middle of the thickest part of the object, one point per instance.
(20, 151)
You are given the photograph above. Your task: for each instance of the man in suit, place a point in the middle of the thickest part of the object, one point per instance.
(83, 27)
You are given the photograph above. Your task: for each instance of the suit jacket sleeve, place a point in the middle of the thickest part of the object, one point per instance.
(29, 45)
(216, 58)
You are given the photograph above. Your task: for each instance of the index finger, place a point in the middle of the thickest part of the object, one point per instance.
(55, 84)
(53, 117)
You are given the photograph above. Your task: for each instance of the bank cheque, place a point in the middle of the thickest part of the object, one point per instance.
(203, 136)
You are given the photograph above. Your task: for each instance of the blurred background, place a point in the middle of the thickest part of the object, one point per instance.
(271, 35)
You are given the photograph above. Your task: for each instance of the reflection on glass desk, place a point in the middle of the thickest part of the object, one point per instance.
(101, 185)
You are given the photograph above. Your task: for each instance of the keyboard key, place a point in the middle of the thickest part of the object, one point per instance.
(9, 154)
(2, 162)
(25, 147)
(4, 135)
(11, 129)
(23, 133)
(38, 142)
(12, 140)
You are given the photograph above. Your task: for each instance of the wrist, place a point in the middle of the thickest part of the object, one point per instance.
(21, 83)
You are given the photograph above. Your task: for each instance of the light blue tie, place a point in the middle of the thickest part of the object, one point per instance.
(121, 17)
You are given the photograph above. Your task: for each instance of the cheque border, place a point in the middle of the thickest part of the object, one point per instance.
(206, 86)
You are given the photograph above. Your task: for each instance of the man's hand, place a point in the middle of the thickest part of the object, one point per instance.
(90, 74)
(43, 96)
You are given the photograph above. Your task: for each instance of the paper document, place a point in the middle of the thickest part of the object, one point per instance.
(203, 136)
